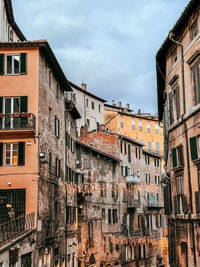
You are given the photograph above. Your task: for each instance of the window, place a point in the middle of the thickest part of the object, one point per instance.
(137, 153)
(87, 104)
(176, 101)
(156, 128)
(110, 244)
(179, 185)
(157, 179)
(103, 213)
(174, 57)
(133, 124)
(147, 161)
(121, 122)
(148, 127)
(49, 78)
(177, 156)
(148, 178)
(90, 231)
(109, 216)
(140, 125)
(129, 153)
(149, 145)
(171, 108)
(196, 82)
(157, 197)
(50, 162)
(157, 147)
(103, 189)
(57, 91)
(114, 216)
(124, 170)
(194, 30)
(92, 105)
(14, 154)
(195, 147)
(57, 127)
(99, 108)
(57, 167)
(156, 162)
(125, 148)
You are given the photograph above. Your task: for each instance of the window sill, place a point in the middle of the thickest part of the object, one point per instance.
(178, 168)
(197, 162)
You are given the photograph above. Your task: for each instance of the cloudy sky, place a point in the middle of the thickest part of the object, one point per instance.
(108, 44)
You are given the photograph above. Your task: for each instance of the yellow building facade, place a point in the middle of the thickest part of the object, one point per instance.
(143, 127)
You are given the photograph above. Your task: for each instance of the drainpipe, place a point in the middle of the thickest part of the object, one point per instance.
(171, 35)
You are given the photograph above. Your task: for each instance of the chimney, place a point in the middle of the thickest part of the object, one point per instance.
(139, 111)
(84, 86)
(119, 104)
(84, 130)
(127, 106)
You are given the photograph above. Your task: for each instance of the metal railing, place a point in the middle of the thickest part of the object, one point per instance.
(17, 121)
(16, 227)
(155, 204)
(70, 97)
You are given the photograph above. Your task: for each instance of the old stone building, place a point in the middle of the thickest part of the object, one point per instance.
(9, 31)
(178, 86)
(33, 155)
(140, 194)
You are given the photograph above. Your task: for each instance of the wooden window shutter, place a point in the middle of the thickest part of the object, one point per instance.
(121, 146)
(129, 153)
(2, 64)
(50, 162)
(181, 155)
(1, 104)
(175, 205)
(174, 157)
(184, 204)
(24, 104)
(23, 69)
(21, 153)
(171, 111)
(167, 200)
(56, 167)
(177, 102)
(197, 201)
(1, 154)
(59, 168)
(82, 176)
(193, 148)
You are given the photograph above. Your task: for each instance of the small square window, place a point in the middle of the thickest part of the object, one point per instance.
(174, 57)
(92, 105)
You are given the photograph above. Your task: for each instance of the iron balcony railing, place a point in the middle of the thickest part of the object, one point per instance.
(16, 227)
(155, 204)
(17, 121)
(133, 203)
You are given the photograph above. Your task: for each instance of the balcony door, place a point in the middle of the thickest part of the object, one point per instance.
(12, 106)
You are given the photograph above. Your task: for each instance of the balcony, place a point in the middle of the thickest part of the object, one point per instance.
(133, 203)
(155, 205)
(16, 227)
(70, 98)
(137, 232)
(17, 123)
(132, 179)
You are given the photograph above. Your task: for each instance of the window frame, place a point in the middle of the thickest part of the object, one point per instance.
(12, 67)
(11, 154)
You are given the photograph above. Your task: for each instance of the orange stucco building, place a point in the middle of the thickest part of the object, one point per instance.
(142, 127)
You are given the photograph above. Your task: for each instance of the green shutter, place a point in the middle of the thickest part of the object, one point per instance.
(1, 104)
(174, 157)
(181, 155)
(1, 154)
(21, 153)
(23, 64)
(171, 111)
(129, 153)
(1, 64)
(193, 148)
(24, 104)
(56, 167)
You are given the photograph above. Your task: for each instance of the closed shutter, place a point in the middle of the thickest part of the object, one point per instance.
(121, 148)
(1, 154)
(21, 153)
(175, 205)
(56, 167)
(197, 201)
(177, 102)
(24, 104)
(82, 177)
(109, 216)
(171, 111)
(174, 157)
(184, 204)
(50, 162)
(193, 148)
(23, 63)
(129, 153)
(167, 200)
(2, 64)
(181, 155)
(59, 168)
(1, 104)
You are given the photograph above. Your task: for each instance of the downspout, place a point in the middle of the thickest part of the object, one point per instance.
(187, 145)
